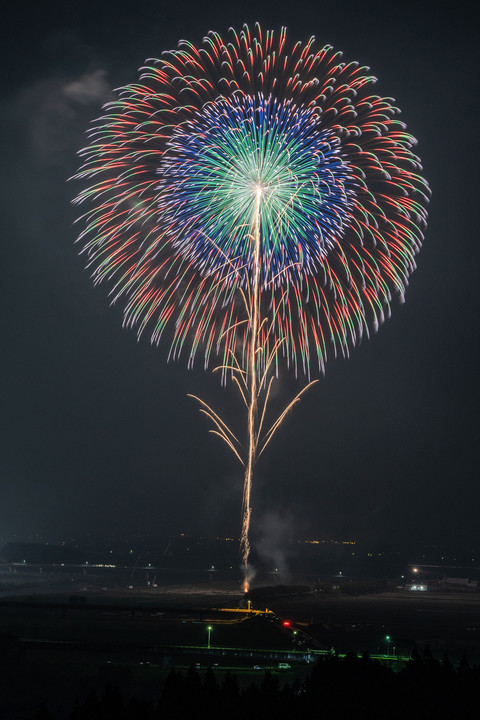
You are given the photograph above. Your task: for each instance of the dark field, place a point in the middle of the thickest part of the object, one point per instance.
(446, 622)
(63, 645)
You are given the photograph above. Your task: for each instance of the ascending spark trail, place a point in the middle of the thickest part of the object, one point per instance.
(252, 379)
(254, 387)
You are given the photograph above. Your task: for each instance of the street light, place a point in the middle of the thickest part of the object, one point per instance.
(388, 638)
(209, 630)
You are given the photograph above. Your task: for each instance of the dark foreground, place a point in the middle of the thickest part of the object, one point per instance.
(350, 687)
(134, 654)
(342, 688)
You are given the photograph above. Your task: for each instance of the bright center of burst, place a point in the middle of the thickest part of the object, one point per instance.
(259, 190)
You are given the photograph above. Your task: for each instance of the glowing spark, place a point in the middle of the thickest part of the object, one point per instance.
(252, 377)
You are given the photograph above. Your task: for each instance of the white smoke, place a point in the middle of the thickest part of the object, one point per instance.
(276, 531)
(54, 112)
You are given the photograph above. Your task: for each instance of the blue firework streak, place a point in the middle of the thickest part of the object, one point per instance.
(211, 172)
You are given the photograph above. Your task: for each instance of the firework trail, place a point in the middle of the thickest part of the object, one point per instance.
(251, 200)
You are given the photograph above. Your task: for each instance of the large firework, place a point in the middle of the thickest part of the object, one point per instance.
(252, 200)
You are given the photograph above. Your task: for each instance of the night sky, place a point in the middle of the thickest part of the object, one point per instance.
(98, 433)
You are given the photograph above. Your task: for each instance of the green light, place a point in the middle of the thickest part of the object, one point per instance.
(209, 630)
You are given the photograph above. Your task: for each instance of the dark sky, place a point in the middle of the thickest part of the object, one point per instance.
(98, 434)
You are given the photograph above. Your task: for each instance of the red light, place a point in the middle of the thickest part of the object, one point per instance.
(286, 623)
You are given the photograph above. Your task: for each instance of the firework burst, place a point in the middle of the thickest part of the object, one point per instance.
(252, 200)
